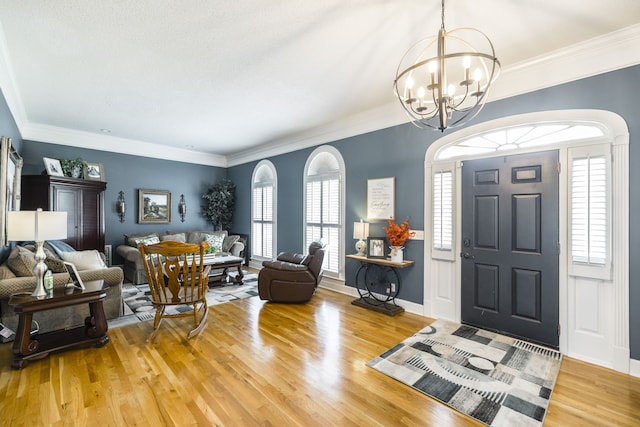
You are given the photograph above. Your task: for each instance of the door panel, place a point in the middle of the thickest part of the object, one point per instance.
(510, 245)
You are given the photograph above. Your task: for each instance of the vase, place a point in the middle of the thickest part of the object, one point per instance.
(397, 253)
(76, 171)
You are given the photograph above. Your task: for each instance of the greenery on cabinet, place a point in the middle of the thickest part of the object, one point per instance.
(219, 202)
(73, 167)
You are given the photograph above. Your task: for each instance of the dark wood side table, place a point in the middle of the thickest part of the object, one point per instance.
(378, 284)
(27, 348)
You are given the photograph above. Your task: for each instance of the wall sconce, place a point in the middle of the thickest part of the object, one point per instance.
(182, 208)
(360, 232)
(121, 206)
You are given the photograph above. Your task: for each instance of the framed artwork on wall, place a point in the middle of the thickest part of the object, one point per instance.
(380, 198)
(154, 206)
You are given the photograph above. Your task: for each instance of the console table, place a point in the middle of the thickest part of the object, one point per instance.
(378, 284)
(27, 348)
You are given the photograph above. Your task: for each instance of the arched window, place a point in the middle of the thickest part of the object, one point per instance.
(264, 190)
(324, 206)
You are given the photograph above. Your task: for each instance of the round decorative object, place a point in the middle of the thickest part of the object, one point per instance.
(361, 247)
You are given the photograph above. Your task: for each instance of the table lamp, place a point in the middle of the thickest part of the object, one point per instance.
(38, 226)
(360, 232)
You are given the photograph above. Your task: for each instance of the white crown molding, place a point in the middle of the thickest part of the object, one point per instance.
(610, 52)
(81, 139)
(613, 51)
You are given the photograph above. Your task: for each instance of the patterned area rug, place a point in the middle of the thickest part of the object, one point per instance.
(137, 302)
(497, 380)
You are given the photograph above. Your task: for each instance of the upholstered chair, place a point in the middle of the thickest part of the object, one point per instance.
(292, 278)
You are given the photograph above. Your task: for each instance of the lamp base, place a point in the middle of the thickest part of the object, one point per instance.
(361, 247)
(38, 271)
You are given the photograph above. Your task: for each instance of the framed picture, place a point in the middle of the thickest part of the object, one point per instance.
(53, 166)
(10, 173)
(381, 198)
(154, 206)
(375, 247)
(74, 277)
(94, 172)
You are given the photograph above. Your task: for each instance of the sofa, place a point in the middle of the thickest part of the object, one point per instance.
(292, 278)
(220, 243)
(16, 276)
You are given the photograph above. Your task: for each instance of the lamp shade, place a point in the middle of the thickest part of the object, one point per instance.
(360, 230)
(36, 225)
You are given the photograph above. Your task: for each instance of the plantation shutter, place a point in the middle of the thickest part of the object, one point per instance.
(590, 213)
(443, 210)
(262, 221)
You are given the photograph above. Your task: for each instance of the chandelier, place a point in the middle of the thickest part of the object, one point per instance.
(442, 81)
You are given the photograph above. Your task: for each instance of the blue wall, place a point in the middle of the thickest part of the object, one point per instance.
(400, 152)
(397, 151)
(8, 125)
(128, 174)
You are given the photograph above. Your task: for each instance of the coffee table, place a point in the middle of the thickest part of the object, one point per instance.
(220, 266)
(27, 348)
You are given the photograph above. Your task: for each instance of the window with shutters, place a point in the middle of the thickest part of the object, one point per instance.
(590, 211)
(263, 211)
(443, 213)
(324, 206)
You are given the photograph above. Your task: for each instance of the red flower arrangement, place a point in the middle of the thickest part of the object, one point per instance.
(398, 234)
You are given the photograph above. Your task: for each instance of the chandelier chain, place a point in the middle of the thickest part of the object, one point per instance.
(442, 15)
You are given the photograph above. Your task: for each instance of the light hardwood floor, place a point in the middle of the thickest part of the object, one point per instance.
(271, 365)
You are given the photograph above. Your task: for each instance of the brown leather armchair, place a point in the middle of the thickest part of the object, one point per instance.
(291, 277)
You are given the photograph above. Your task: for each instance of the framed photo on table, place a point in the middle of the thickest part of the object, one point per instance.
(154, 206)
(375, 247)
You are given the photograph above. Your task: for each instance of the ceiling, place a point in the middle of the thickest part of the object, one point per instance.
(227, 81)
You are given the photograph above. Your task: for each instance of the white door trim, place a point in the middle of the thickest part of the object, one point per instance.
(442, 284)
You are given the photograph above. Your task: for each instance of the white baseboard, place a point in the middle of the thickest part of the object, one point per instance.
(634, 368)
(339, 286)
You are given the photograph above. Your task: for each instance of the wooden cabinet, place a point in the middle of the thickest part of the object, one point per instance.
(83, 200)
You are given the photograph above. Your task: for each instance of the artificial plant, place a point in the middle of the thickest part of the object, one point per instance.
(219, 202)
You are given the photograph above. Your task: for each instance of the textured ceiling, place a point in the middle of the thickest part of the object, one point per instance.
(231, 77)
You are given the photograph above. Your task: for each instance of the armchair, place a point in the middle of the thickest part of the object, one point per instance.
(292, 277)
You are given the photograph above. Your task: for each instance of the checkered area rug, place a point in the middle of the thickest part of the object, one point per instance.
(138, 306)
(498, 380)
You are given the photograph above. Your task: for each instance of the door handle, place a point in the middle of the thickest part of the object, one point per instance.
(467, 255)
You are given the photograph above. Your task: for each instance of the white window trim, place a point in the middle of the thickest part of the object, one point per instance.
(342, 171)
(274, 238)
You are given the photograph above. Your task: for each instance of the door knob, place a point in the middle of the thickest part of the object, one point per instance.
(467, 255)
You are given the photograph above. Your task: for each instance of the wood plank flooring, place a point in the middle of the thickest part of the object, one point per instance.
(270, 365)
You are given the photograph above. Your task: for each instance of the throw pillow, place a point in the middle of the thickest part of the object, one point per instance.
(228, 242)
(5, 272)
(55, 264)
(215, 243)
(59, 247)
(21, 261)
(85, 260)
(146, 240)
(176, 237)
(130, 239)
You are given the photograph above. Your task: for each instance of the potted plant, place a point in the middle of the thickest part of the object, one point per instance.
(397, 235)
(219, 202)
(73, 167)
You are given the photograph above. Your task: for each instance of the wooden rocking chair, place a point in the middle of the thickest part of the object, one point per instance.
(177, 276)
